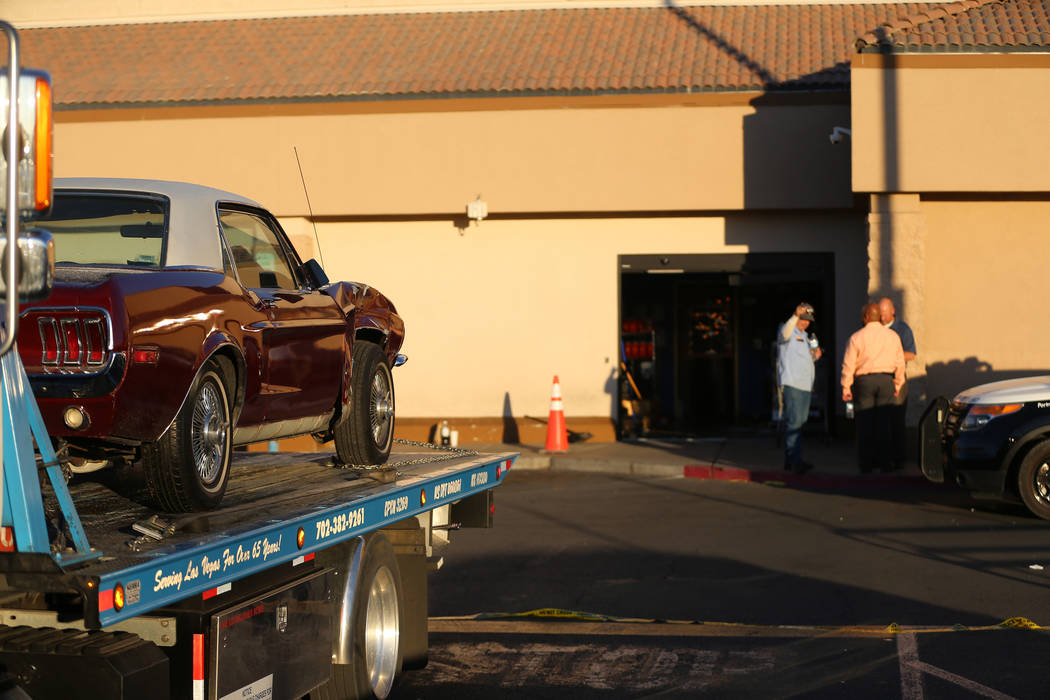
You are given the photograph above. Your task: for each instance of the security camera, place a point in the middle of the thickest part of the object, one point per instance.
(838, 134)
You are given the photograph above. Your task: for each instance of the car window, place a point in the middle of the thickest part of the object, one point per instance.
(256, 252)
(112, 230)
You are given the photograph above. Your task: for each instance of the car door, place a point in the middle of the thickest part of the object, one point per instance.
(303, 342)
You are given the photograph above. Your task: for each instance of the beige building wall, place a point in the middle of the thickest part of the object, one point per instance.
(494, 311)
(951, 123)
(640, 153)
(986, 289)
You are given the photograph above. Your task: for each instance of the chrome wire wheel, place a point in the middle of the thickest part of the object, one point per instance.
(209, 431)
(1042, 482)
(382, 633)
(381, 406)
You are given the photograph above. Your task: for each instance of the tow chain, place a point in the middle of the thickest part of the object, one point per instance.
(453, 453)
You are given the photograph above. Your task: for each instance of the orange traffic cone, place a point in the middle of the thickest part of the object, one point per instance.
(557, 433)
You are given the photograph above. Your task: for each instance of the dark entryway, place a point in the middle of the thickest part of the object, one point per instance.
(697, 337)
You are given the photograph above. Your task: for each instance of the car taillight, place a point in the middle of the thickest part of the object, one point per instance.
(73, 341)
(95, 336)
(50, 343)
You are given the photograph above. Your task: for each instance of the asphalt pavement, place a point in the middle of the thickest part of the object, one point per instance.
(616, 585)
(754, 457)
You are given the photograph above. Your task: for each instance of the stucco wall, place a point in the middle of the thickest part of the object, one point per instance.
(939, 123)
(494, 311)
(568, 156)
(986, 291)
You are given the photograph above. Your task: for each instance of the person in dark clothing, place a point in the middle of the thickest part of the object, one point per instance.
(899, 411)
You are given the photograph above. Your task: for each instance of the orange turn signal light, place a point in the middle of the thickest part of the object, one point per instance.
(43, 146)
(998, 409)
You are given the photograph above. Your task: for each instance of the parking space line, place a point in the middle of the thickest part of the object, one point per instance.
(911, 677)
(912, 670)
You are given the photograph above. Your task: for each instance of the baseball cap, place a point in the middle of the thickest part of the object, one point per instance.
(807, 315)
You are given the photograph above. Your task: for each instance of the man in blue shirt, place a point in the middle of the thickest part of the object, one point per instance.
(795, 374)
(888, 316)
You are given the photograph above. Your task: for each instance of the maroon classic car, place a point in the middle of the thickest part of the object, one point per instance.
(183, 323)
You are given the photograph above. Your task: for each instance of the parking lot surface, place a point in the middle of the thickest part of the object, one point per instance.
(597, 584)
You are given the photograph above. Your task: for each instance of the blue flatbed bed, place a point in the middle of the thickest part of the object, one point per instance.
(279, 508)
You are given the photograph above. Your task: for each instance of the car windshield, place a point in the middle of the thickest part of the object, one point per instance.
(115, 230)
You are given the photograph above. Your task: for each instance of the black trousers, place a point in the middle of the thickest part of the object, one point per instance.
(874, 403)
(899, 428)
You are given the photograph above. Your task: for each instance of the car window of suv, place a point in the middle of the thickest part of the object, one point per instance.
(256, 251)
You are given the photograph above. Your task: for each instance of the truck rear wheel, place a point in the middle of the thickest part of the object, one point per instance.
(376, 616)
(188, 468)
(365, 436)
(1033, 480)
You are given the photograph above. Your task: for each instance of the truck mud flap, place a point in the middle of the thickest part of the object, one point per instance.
(931, 451)
(276, 645)
(50, 663)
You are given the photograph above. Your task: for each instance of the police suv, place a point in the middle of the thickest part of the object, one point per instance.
(994, 440)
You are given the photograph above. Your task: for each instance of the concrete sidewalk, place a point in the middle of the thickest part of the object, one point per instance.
(754, 457)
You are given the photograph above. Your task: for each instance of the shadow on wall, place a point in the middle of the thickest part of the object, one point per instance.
(511, 436)
(949, 378)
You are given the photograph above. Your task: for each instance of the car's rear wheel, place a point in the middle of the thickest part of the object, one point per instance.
(188, 468)
(366, 435)
(1033, 480)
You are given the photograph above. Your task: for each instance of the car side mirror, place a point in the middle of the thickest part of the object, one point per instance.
(314, 274)
(36, 261)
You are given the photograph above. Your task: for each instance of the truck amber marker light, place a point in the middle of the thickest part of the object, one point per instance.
(118, 597)
(300, 538)
(422, 497)
(43, 145)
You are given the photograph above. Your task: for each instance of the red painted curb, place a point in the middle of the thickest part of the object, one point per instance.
(713, 472)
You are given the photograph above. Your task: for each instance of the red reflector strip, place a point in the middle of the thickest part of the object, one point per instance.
(218, 590)
(7, 539)
(146, 356)
(198, 667)
(303, 559)
(105, 600)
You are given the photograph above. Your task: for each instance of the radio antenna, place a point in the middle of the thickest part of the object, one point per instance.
(308, 205)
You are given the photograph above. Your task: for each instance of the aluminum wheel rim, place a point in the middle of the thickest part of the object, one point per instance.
(208, 433)
(382, 633)
(381, 407)
(1042, 483)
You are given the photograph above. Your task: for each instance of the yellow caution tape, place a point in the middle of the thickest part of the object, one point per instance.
(1020, 622)
(892, 628)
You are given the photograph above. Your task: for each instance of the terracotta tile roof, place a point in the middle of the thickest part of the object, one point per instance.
(523, 52)
(998, 25)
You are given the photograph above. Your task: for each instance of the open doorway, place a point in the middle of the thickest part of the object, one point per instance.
(697, 338)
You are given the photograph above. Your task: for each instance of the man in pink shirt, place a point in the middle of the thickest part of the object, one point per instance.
(872, 376)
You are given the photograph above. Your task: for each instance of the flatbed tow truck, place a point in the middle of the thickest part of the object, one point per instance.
(310, 579)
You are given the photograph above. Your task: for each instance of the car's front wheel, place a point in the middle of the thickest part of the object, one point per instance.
(366, 435)
(188, 468)
(1033, 480)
